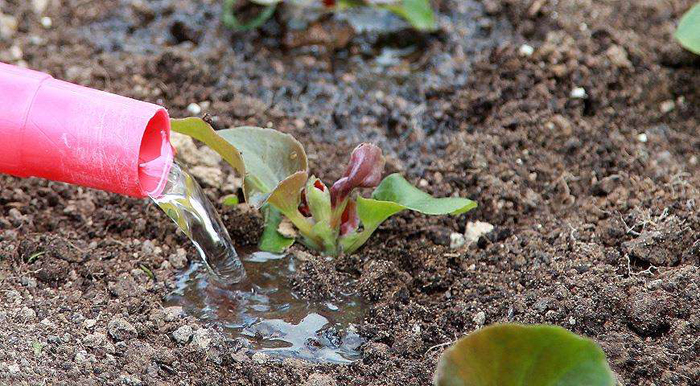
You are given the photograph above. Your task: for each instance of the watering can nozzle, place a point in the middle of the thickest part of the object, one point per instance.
(65, 132)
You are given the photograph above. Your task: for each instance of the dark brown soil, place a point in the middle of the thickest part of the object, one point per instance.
(594, 200)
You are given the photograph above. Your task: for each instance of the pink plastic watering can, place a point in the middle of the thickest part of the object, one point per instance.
(64, 132)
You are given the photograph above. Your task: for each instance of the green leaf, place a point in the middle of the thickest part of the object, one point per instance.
(395, 188)
(265, 157)
(202, 131)
(374, 212)
(318, 197)
(231, 21)
(147, 271)
(326, 235)
(230, 200)
(271, 240)
(518, 355)
(393, 195)
(688, 32)
(269, 157)
(417, 12)
(38, 347)
(371, 213)
(287, 196)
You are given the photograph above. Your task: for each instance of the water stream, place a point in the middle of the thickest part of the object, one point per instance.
(186, 204)
(251, 297)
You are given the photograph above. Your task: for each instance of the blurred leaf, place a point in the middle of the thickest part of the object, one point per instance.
(688, 32)
(417, 12)
(147, 271)
(271, 240)
(230, 200)
(518, 355)
(38, 347)
(231, 21)
(35, 256)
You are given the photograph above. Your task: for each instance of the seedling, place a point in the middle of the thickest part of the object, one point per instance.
(417, 12)
(330, 219)
(35, 256)
(688, 32)
(519, 355)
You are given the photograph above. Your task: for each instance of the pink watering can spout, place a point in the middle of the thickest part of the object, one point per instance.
(64, 132)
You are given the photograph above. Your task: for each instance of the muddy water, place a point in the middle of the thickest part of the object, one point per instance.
(265, 312)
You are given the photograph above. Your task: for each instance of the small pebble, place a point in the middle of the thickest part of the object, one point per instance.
(457, 240)
(579, 93)
(94, 340)
(183, 334)
(28, 313)
(201, 338)
(475, 230)
(120, 329)
(171, 314)
(178, 259)
(194, 109)
(15, 214)
(642, 138)
(16, 52)
(260, 358)
(667, 106)
(320, 380)
(13, 368)
(81, 356)
(8, 26)
(46, 22)
(147, 247)
(526, 50)
(618, 57)
(40, 6)
(479, 318)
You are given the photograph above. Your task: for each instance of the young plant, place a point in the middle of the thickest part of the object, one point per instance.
(330, 219)
(417, 12)
(519, 355)
(688, 32)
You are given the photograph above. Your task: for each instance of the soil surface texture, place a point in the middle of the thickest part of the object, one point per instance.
(573, 123)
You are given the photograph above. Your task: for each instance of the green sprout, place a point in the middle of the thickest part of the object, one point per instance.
(519, 355)
(417, 12)
(688, 32)
(331, 219)
(35, 256)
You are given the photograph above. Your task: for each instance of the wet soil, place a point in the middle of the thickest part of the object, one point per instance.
(594, 199)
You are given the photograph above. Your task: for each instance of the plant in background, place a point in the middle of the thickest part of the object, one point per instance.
(688, 32)
(417, 12)
(330, 219)
(519, 355)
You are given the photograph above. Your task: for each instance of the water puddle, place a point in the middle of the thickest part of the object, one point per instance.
(251, 298)
(264, 310)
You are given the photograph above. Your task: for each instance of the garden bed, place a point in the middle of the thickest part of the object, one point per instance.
(573, 124)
